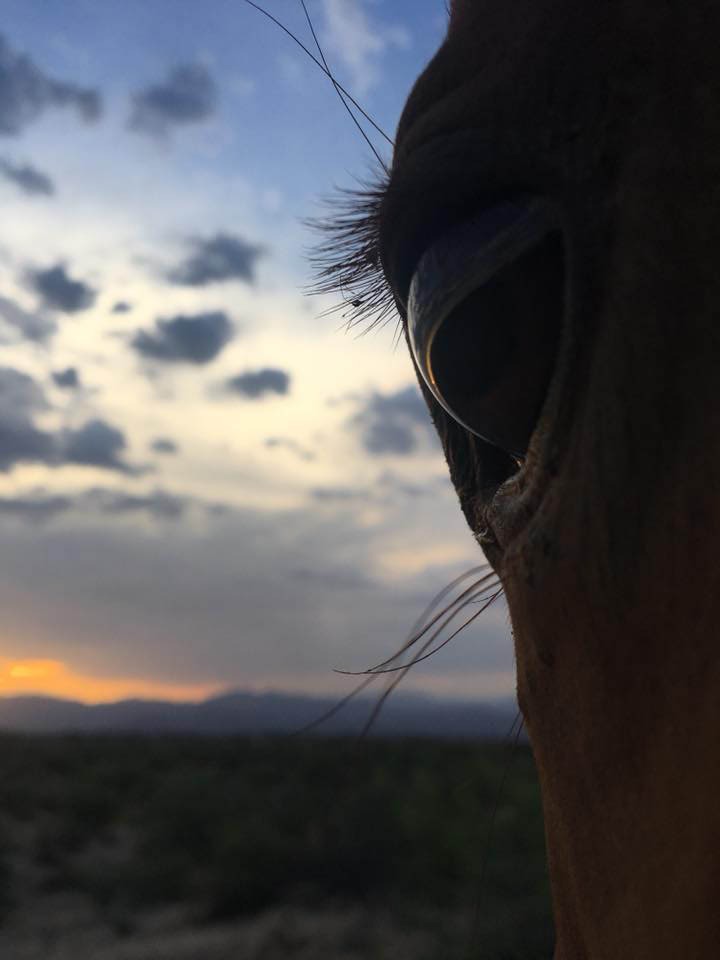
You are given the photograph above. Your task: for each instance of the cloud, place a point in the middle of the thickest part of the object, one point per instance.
(392, 485)
(163, 445)
(23, 442)
(254, 384)
(122, 306)
(20, 396)
(26, 92)
(334, 579)
(338, 494)
(58, 292)
(158, 504)
(287, 443)
(41, 505)
(36, 507)
(358, 42)
(188, 95)
(218, 258)
(198, 338)
(24, 325)
(267, 609)
(386, 488)
(392, 423)
(67, 379)
(27, 178)
(94, 444)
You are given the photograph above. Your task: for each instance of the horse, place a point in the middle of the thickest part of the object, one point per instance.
(549, 232)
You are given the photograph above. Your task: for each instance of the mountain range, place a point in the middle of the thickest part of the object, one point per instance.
(251, 714)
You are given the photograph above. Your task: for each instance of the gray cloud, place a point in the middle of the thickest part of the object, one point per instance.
(387, 489)
(287, 443)
(27, 178)
(67, 379)
(36, 507)
(21, 398)
(122, 306)
(390, 483)
(188, 95)
(26, 92)
(158, 504)
(100, 594)
(163, 445)
(218, 258)
(389, 436)
(59, 292)
(339, 494)
(334, 579)
(23, 442)
(96, 443)
(392, 423)
(24, 325)
(185, 339)
(42, 505)
(257, 383)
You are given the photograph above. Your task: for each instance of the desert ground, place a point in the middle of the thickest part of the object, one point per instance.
(145, 848)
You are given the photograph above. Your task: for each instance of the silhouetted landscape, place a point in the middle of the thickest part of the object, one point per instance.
(127, 847)
(404, 714)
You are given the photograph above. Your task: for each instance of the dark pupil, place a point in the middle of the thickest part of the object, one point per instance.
(493, 357)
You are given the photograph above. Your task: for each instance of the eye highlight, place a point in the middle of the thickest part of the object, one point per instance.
(485, 314)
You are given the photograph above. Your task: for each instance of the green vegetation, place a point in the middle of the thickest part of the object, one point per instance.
(231, 827)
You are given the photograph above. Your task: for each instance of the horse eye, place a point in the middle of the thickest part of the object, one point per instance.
(485, 313)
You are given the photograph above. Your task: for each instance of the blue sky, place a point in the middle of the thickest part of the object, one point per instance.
(204, 482)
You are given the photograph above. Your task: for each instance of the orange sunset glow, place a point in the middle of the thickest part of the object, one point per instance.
(54, 678)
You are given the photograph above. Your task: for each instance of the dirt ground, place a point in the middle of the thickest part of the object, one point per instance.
(63, 928)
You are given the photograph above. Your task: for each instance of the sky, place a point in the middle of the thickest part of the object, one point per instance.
(206, 481)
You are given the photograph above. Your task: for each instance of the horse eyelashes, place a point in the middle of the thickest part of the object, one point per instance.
(346, 260)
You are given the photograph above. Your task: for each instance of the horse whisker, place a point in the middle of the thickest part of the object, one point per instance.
(429, 621)
(298, 41)
(420, 631)
(338, 91)
(383, 666)
(434, 603)
(334, 709)
(424, 656)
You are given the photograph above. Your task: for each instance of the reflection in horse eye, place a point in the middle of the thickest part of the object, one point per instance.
(492, 358)
(485, 313)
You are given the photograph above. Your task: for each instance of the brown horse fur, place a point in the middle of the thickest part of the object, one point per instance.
(607, 540)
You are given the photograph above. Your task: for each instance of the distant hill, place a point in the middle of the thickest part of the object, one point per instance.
(404, 714)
